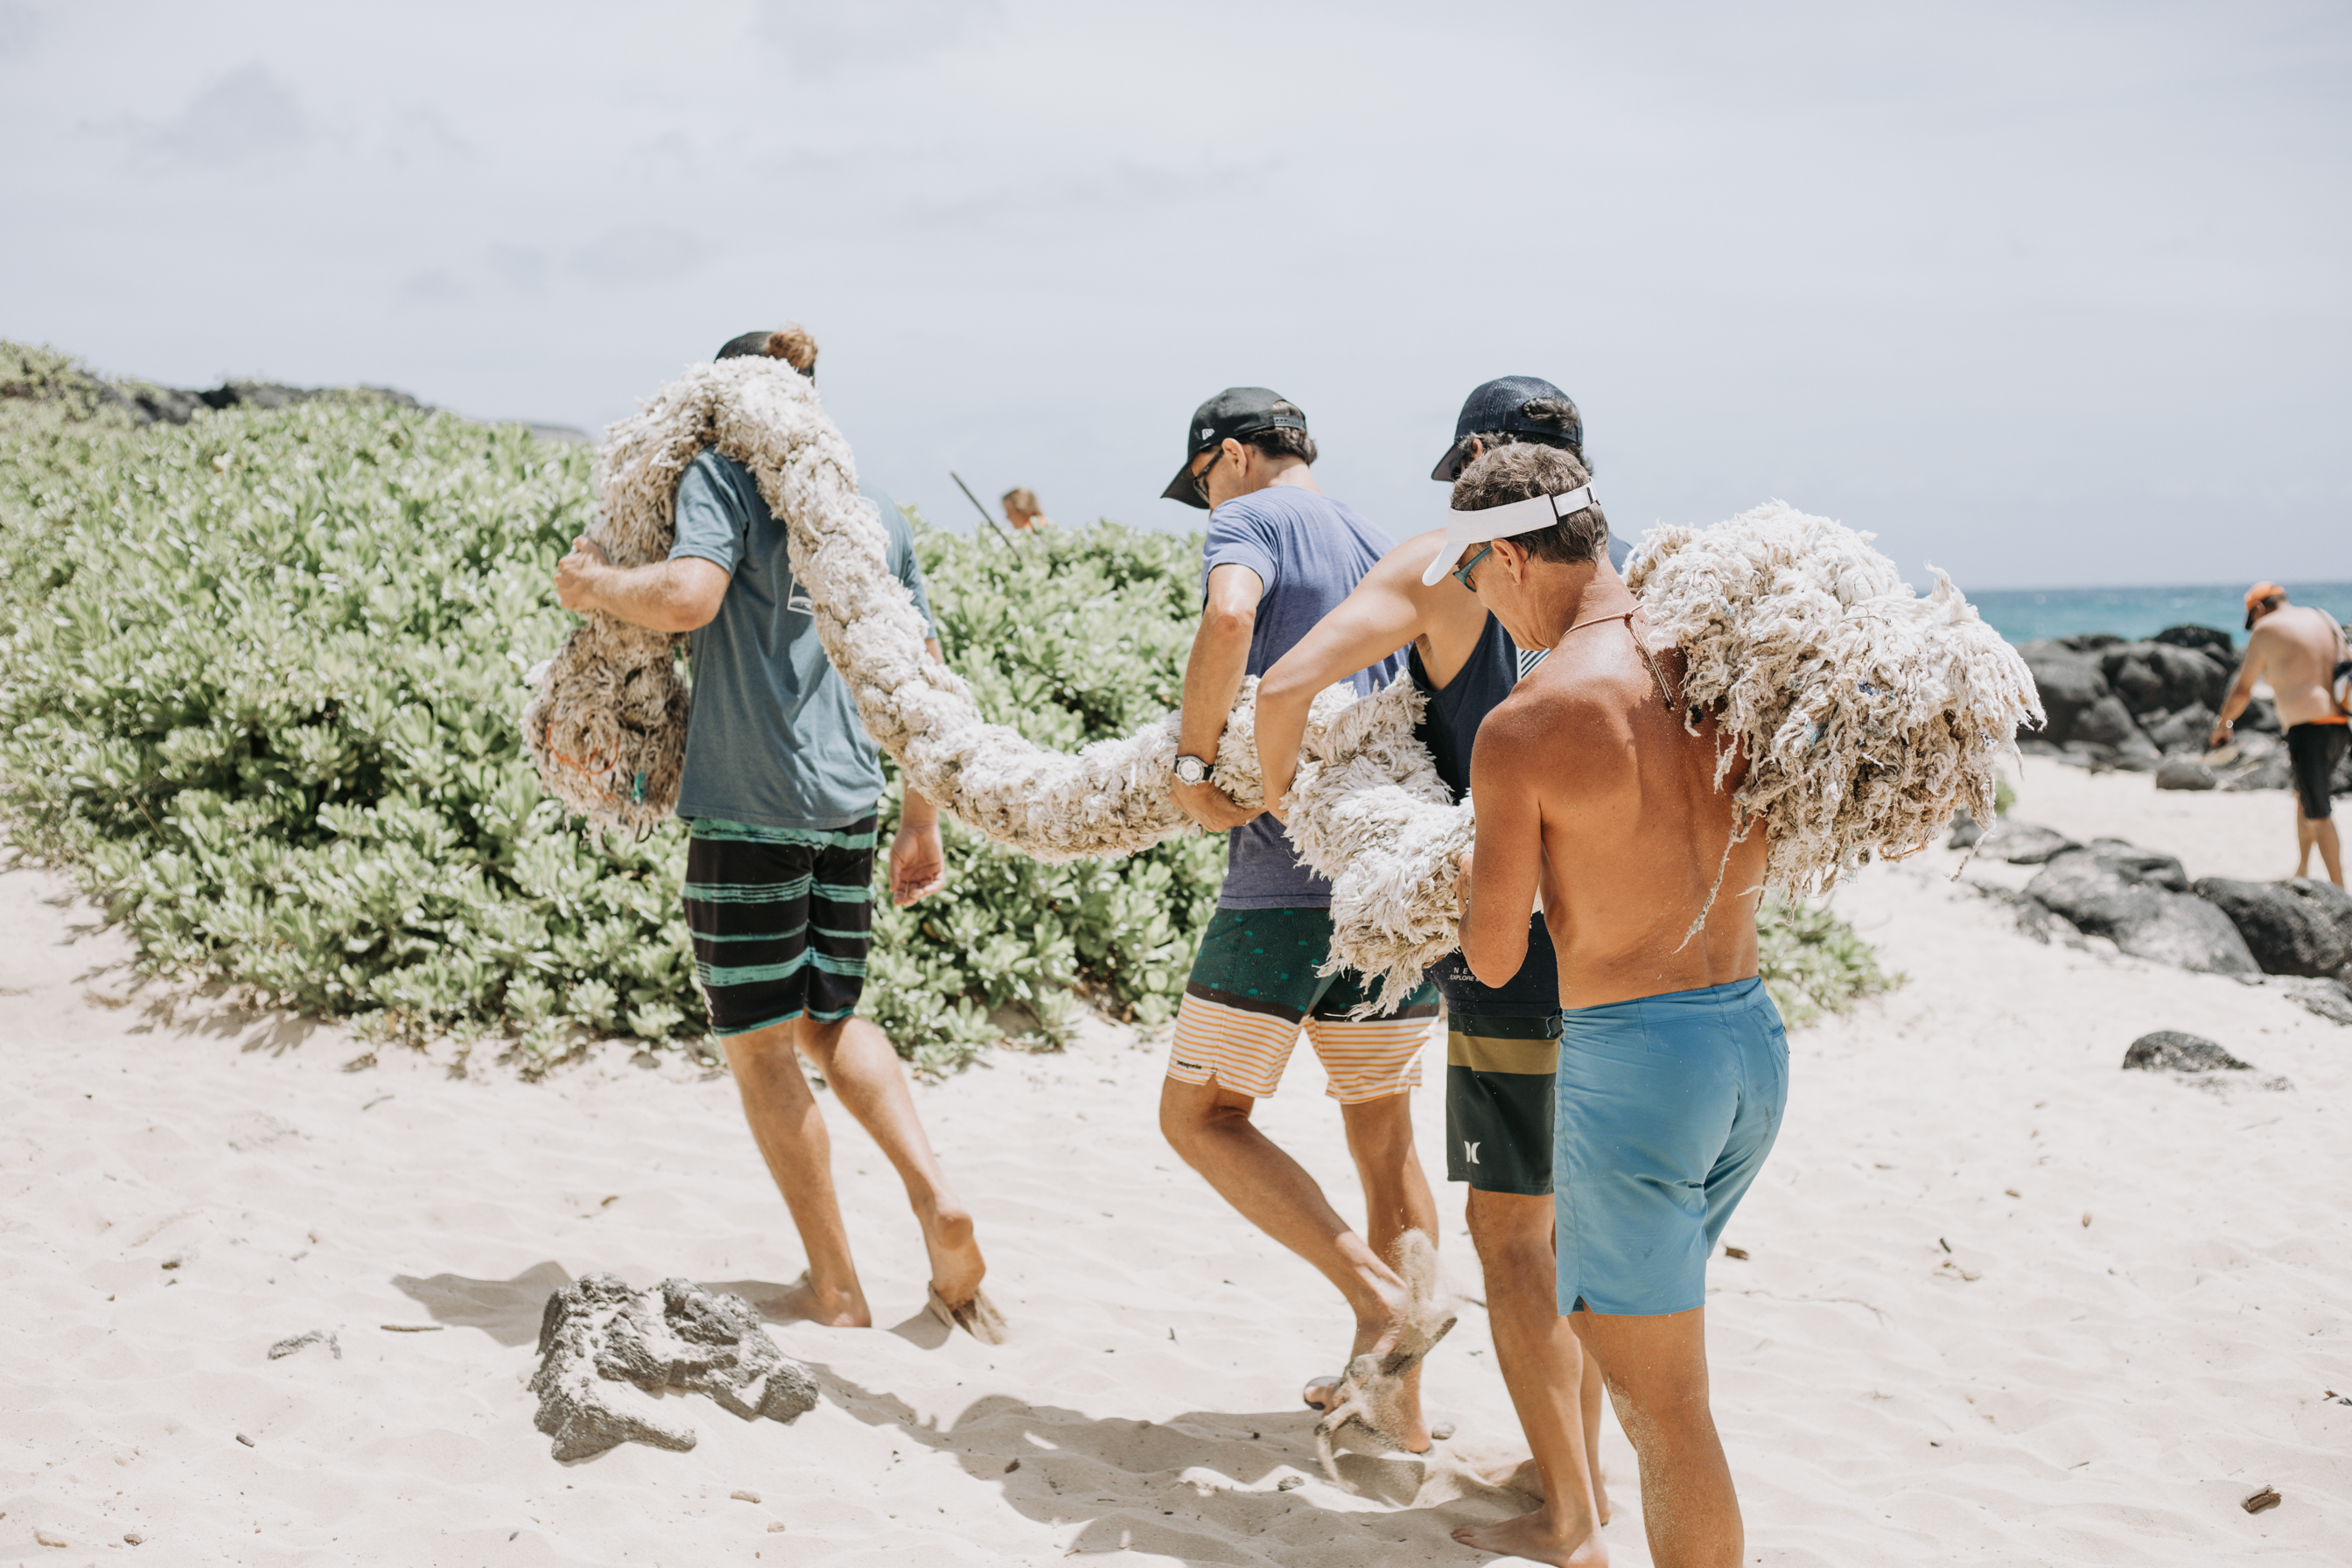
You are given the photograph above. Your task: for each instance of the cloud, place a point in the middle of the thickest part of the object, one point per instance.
(244, 115)
(819, 36)
(20, 29)
(421, 134)
(435, 285)
(521, 267)
(1094, 194)
(639, 253)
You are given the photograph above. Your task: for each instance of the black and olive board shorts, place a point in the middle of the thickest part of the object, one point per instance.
(1502, 1050)
(782, 920)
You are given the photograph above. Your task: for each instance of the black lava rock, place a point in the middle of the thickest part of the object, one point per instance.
(2296, 927)
(2208, 639)
(2126, 898)
(2185, 772)
(2152, 675)
(2145, 866)
(2023, 843)
(2170, 1051)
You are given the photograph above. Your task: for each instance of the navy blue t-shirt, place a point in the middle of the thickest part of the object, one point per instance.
(1309, 551)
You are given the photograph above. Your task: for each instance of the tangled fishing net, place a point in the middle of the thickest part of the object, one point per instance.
(1865, 714)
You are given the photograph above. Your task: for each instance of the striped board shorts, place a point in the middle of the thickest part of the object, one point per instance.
(782, 919)
(1502, 1048)
(1254, 989)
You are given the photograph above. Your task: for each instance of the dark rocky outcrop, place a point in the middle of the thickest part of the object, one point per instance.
(2143, 866)
(2331, 999)
(2298, 927)
(2132, 705)
(2034, 918)
(2130, 897)
(599, 1340)
(2185, 772)
(2206, 639)
(2172, 1050)
(2022, 843)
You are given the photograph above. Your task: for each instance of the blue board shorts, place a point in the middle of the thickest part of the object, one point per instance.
(1666, 1108)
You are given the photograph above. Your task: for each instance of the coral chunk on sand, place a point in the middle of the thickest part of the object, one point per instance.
(599, 1339)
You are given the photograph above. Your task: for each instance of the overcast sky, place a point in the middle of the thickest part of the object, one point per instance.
(2046, 294)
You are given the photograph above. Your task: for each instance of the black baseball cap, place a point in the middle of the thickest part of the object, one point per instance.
(1501, 404)
(1232, 413)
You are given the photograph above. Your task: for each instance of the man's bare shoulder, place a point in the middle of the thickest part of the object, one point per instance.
(1547, 709)
(1402, 567)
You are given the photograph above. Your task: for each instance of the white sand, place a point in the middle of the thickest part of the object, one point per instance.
(2041, 1392)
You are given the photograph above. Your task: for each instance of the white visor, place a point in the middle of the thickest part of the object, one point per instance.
(1464, 529)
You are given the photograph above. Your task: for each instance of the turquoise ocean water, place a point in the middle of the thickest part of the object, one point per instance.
(2020, 614)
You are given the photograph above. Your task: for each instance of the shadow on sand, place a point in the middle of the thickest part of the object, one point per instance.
(1194, 1488)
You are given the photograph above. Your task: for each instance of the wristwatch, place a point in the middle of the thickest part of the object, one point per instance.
(1191, 770)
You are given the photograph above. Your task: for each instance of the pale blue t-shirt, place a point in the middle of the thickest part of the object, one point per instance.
(1309, 551)
(772, 738)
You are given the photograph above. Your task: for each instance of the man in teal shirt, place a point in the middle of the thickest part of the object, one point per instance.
(780, 786)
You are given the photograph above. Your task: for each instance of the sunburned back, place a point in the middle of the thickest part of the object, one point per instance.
(2299, 649)
(1633, 826)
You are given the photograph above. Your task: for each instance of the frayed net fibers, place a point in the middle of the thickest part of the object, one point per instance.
(1867, 715)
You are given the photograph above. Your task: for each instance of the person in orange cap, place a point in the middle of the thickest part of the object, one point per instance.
(2298, 650)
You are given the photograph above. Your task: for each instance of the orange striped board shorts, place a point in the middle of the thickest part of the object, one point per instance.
(1255, 987)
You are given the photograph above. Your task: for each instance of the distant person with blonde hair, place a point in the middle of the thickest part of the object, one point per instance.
(2297, 649)
(1022, 510)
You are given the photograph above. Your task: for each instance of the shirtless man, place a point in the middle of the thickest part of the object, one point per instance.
(2296, 649)
(1673, 1062)
(1502, 1043)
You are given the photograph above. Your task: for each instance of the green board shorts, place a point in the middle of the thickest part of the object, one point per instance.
(1254, 988)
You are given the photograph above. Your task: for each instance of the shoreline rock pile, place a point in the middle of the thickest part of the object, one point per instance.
(2146, 707)
(2296, 934)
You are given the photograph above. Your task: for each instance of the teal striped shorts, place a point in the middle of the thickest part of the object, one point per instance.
(782, 919)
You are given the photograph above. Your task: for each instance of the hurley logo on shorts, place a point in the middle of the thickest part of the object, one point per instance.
(1470, 1151)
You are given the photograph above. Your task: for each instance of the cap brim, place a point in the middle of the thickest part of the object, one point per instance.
(1182, 486)
(1439, 473)
(1447, 553)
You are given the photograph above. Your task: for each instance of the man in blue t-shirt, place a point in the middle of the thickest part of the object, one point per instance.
(1281, 555)
(779, 788)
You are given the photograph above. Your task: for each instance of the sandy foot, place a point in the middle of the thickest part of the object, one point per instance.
(1381, 1394)
(1532, 1536)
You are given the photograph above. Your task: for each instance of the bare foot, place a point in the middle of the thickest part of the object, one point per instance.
(1528, 1479)
(1382, 1391)
(831, 1308)
(957, 1267)
(1535, 1536)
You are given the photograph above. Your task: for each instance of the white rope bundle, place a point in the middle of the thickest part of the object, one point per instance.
(1111, 798)
(1867, 714)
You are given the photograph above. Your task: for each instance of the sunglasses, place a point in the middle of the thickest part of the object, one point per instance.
(1201, 480)
(1462, 574)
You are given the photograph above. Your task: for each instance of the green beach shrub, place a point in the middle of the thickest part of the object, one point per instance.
(262, 674)
(1814, 963)
(259, 685)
